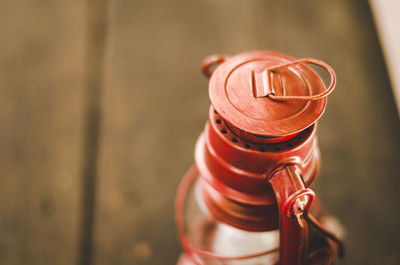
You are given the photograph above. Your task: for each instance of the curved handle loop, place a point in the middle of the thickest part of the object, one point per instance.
(323, 94)
(288, 205)
(210, 61)
(187, 181)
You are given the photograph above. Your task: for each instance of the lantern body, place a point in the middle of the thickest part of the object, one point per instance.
(247, 198)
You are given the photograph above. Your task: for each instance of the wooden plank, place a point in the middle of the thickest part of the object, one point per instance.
(41, 129)
(387, 22)
(97, 20)
(155, 105)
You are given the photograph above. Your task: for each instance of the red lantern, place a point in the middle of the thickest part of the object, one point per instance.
(247, 199)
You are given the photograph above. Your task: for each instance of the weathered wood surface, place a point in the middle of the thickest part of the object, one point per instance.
(155, 105)
(41, 130)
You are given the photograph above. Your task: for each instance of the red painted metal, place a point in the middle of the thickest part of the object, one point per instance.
(292, 199)
(258, 153)
(243, 87)
(239, 170)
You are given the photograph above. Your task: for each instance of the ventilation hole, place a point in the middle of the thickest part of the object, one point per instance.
(224, 131)
(277, 148)
(235, 140)
(300, 138)
(218, 121)
(290, 144)
(262, 149)
(247, 146)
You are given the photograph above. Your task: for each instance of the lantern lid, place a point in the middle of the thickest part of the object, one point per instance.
(267, 93)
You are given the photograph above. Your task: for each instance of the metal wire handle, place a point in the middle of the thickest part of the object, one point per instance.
(323, 94)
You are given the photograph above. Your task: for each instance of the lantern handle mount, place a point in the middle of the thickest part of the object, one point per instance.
(321, 95)
(294, 201)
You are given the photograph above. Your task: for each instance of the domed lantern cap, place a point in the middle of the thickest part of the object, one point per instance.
(267, 93)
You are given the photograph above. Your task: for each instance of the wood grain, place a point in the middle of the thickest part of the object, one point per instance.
(155, 105)
(41, 130)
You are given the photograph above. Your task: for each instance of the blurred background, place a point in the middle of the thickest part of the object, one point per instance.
(101, 103)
